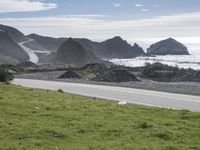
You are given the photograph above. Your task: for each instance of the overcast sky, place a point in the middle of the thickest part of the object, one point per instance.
(134, 20)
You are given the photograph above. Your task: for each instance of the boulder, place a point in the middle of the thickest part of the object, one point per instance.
(168, 47)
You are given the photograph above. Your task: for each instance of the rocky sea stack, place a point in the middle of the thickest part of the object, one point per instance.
(168, 47)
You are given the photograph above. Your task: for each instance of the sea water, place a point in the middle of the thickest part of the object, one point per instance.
(182, 61)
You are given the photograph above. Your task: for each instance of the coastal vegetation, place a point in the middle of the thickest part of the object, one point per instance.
(34, 119)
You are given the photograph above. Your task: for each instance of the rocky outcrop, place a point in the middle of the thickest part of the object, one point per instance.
(15, 34)
(168, 47)
(164, 73)
(10, 51)
(112, 48)
(116, 75)
(119, 48)
(44, 43)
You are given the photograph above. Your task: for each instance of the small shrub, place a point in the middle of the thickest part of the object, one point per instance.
(60, 91)
(5, 75)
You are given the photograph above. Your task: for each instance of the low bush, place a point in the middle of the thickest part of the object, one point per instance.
(5, 75)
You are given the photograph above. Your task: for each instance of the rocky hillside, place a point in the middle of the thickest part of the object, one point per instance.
(44, 43)
(83, 51)
(168, 47)
(71, 52)
(112, 48)
(15, 34)
(10, 51)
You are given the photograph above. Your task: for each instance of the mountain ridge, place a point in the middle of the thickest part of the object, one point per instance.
(14, 33)
(73, 48)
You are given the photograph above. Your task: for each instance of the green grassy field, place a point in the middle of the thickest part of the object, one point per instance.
(44, 120)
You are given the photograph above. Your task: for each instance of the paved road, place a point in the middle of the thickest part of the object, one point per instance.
(130, 95)
(32, 56)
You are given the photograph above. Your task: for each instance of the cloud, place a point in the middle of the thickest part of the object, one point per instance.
(156, 6)
(145, 10)
(139, 5)
(116, 4)
(25, 6)
(84, 16)
(97, 28)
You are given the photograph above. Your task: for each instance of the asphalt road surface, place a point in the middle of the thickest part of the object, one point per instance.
(121, 94)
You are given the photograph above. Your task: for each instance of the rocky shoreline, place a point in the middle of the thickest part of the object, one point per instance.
(157, 77)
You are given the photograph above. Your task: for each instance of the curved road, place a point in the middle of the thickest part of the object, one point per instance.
(130, 95)
(32, 56)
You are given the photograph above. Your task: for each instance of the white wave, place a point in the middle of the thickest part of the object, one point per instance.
(182, 61)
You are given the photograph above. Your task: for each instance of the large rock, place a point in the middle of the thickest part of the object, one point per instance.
(119, 48)
(10, 51)
(168, 47)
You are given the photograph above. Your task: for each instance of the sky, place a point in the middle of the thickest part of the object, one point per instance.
(142, 21)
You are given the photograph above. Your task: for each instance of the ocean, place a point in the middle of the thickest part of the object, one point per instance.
(182, 61)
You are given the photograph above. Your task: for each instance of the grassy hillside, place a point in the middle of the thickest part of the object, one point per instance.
(44, 120)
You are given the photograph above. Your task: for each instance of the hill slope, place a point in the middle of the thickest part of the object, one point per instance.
(44, 43)
(15, 34)
(112, 48)
(71, 52)
(9, 48)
